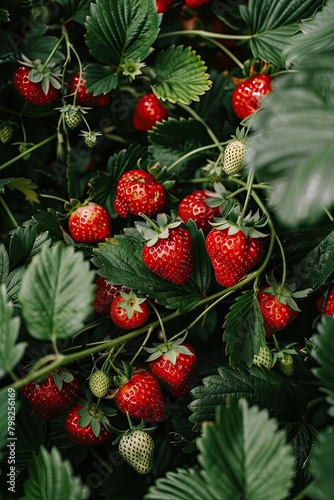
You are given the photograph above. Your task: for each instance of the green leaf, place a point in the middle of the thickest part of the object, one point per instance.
(13, 283)
(10, 352)
(244, 332)
(77, 10)
(41, 47)
(47, 221)
(283, 399)
(4, 263)
(302, 437)
(4, 182)
(21, 245)
(181, 75)
(306, 275)
(51, 477)
(26, 186)
(323, 487)
(273, 24)
(120, 260)
(297, 158)
(172, 139)
(202, 273)
(7, 45)
(316, 34)
(238, 451)
(121, 30)
(4, 15)
(56, 293)
(100, 79)
(323, 353)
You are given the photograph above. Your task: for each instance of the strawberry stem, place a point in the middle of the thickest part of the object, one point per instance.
(195, 115)
(162, 326)
(249, 186)
(143, 344)
(206, 34)
(9, 212)
(55, 48)
(193, 152)
(27, 151)
(227, 52)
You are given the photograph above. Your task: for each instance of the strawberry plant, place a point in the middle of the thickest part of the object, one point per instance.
(166, 249)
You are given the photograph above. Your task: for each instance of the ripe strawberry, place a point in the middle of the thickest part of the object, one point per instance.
(163, 5)
(169, 250)
(129, 311)
(104, 295)
(277, 308)
(194, 206)
(327, 307)
(89, 223)
(6, 132)
(234, 155)
(194, 4)
(264, 357)
(173, 365)
(99, 383)
(86, 425)
(148, 111)
(83, 97)
(138, 191)
(246, 97)
(234, 247)
(137, 449)
(41, 92)
(50, 397)
(139, 394)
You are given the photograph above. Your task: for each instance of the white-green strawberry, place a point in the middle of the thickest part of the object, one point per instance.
(73, 118)
(137, 449)
(99, 383)
(286, 364)
(6, 132)
(90, 138)
(264, 357)
(234, 156)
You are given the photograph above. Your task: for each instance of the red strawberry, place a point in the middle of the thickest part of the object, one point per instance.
(194, 4)
(194, 206)
(50, 397)
(246, 97)
(277, 307)
(326, 307)
(138, 192)
(148, 111)
(89, 223)
(38, 93)
(140, 396)
(83, 97)
(85, 425)
(162, 5)
(169, 251)
(173, 366)
(129, 311)
(104, 295)
(234, 247)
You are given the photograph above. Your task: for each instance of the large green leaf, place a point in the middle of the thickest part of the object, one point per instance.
(120, 261)
(4, 263)
(172, 139)
(100, 79)
(181, 75)
(302, 437)
(323, 354)
(244, 332)
(56, 293)
(236, 453)
(306, 274)
(284, 400)
(10, 352)
(77, 10)
(316, 34)
(273, 24)
(240, 449)
(323, 487)
(25, 243)
(52, 477)
(121, 30)
(293, 156)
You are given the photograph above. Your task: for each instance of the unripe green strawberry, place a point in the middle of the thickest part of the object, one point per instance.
(264, 357)
(99, 383)
(90, 138)
(137, 449)
(6, 132)
(234, 155)
(286, 364)
(73, 118)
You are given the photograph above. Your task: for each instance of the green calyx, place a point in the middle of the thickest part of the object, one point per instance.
(169, 349)
(151, 231)
(123, 375)
(285, 293)
(234, 222)
(131, 303)
(94, 416)
(45, 74)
